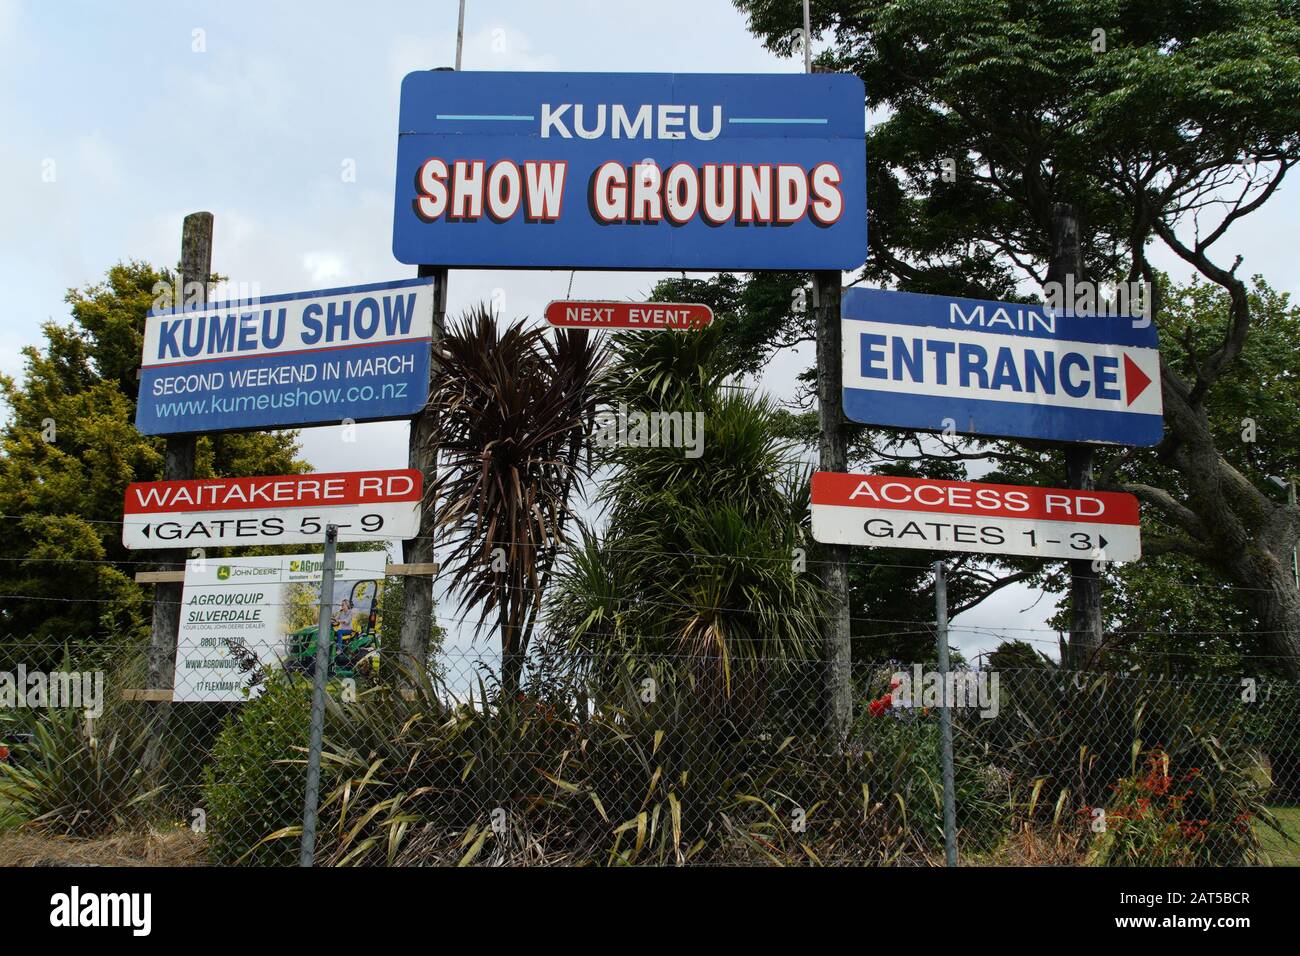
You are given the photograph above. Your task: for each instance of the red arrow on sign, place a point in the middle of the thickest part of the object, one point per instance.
(1135, 380)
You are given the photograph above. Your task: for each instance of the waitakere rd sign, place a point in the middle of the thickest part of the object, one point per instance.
(279, 509)
(938, 363)
(631, 171)
(307, 358)
(887, 512)
(646, 316)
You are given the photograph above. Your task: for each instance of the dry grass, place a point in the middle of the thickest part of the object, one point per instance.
(1028, 846)
(29, 847)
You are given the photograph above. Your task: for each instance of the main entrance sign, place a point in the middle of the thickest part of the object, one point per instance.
(935, 363)
(631, 171)
(893, 512)
(307, 358)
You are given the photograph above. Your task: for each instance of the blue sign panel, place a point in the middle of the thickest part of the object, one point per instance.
(309, 358)
(631, 171)
(1001, 369)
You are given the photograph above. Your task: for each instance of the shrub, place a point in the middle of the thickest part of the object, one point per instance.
(78, 779)
(255, 782)
(1161, 816)
(530, 781)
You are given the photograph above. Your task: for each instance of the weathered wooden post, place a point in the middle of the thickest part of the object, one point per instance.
(833, 456)
(178, 463)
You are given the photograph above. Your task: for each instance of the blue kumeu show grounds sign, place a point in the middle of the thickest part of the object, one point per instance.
(932, 363)
(307, 358)
(631, 171)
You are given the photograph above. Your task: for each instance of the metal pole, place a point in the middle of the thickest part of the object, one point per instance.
(460, 34)
(324, 638)
(807, 38)
(945, 717)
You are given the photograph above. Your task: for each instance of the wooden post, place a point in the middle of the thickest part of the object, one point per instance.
(833, 456)
(1066, 268)
(178, 463)
(422, 452)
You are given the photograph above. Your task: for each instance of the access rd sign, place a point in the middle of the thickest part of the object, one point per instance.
(887, 512)
(650, 316)
(631, 171)
(937, 363)
(279, 509)
(306, 358)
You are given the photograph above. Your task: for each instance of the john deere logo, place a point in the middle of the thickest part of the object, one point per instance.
(223, 572)
(294, 565)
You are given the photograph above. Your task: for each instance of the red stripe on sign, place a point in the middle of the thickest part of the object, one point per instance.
(274, 491)
(970, 498)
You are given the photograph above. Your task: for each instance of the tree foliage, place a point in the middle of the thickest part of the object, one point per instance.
(67, 453)
(1166, 122)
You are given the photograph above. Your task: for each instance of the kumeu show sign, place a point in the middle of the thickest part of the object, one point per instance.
(631, 171)
(307, 358)
(937, 363)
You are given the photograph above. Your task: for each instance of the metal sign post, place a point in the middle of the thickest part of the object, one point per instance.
(945, 717)
(324, 638)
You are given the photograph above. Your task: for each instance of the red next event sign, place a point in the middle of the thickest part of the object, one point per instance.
(628, 315)
(276, 509)
(888, 512)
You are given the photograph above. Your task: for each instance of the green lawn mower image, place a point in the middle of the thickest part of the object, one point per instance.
(355, 643)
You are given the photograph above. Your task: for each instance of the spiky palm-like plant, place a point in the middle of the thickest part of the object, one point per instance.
(515, 410)
(696, 577)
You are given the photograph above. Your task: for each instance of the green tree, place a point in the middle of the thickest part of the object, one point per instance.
(67, 452)
(702, 572)
(1170, 125)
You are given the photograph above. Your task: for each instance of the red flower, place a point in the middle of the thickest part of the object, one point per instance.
(877, 708)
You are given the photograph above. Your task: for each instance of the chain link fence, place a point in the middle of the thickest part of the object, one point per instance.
(668, 760)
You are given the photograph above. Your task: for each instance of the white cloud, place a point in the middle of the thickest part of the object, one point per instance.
(498, 47)
(323, 266)
(409, 53)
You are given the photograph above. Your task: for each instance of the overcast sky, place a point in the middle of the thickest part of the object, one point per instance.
(118, 119)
